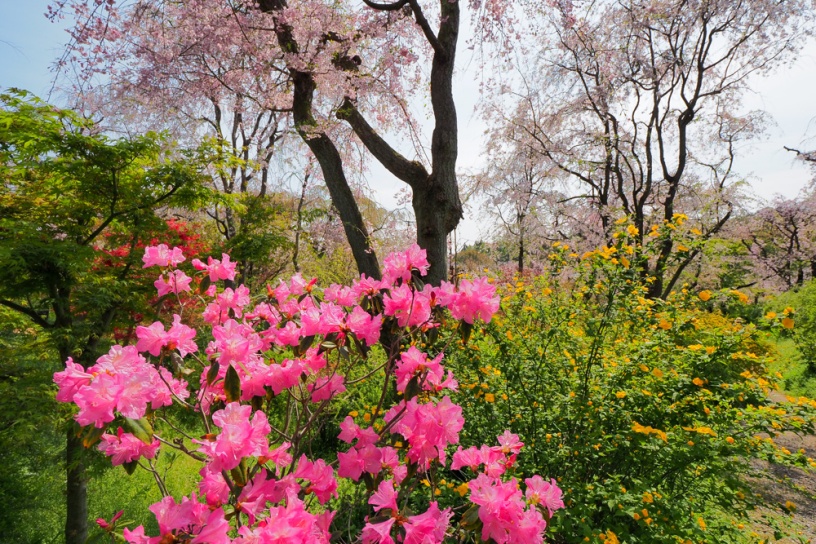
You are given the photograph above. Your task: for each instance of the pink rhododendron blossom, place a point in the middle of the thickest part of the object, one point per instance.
(161, 255)
(398, 266)
(409, 307)
(71, 380)
(290, 345)
(151, 339)
(364, 327)
(384, 497)
(547, 494)
(428, 428)
(180, 337)
(503, 512)
(378, 533)
(321, 478)
(428, 527)
(124, 447)
(476, 299)
(223, 269)
(176, 282)
(326, 387)
(240, 437)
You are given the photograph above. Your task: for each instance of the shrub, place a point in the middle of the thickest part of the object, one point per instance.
(647, 410)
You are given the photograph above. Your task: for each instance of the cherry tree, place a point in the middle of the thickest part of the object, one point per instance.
(318, 61)
(641, 112)
(781, 241)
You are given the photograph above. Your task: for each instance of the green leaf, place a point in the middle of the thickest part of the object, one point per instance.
(141, 429)
(212, 373)
(232, 385)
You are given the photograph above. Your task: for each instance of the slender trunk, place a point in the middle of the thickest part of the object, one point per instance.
(76, 519)
(76, 492)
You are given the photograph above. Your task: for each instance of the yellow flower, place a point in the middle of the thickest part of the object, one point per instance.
(648, 498)
(698, 382)
(462, 489)
(354, 413)
(741, 296)
(788, 310)
(490, 398)
(366, 417)
(657, 373)
(770, 315)
(665, 325)
(632, 230)
(787, 322)
(704, 295)
(620, 394)
(701, 522)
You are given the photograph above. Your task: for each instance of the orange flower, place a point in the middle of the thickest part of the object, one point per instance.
(787, 323)
(705, 295)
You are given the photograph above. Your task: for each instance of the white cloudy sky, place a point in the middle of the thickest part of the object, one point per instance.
(29, 43)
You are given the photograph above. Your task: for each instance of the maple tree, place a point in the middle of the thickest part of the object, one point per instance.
(73, 208)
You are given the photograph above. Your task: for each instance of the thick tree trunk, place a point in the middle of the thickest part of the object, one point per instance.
(439, 194)
(324, 150)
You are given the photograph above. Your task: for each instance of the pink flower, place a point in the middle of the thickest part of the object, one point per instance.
(547, 494)
(476, 299)
(378, 533)
(97, 401)
(325, 387)
(234, 300)
(410, 307)
(428, 527)
(180, 337)
(151, 339)
(161, 255)
(124, 447)
(71, 380)
(240, 437)
(320, 476)
(414, 363)
(176, 282)
(217, 270)
(364, 327)
(398, 266)
(137, 536)
(428, 428)
(213, 488)
(384, 497)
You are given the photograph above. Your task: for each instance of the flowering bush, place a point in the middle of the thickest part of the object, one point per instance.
(649, 410)
(270, 372)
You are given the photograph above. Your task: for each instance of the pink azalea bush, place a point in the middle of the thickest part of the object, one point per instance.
(258, 483)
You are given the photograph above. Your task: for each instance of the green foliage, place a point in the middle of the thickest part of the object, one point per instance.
(799, 305)
(30, 437)
(646, 411)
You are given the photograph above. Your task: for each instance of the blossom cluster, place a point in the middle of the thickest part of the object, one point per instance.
(257, 482)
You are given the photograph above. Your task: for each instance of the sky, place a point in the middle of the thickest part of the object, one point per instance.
(29, 44)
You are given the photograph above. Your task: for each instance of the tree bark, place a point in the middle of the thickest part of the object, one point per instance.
(324, 150)
(76, 518)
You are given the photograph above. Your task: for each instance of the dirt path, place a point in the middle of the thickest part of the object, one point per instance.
(779, 484)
